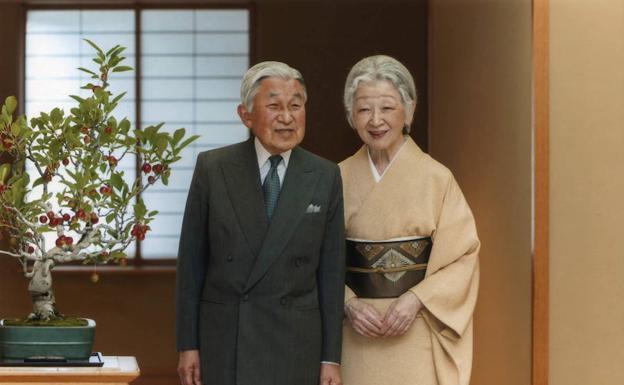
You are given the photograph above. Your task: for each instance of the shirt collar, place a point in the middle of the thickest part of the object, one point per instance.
(263, 154)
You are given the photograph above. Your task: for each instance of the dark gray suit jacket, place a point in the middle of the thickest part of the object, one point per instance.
(263, 303)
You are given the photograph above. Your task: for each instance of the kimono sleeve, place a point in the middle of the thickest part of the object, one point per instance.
(449, 290)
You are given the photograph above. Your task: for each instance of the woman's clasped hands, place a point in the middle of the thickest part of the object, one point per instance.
(399, 316)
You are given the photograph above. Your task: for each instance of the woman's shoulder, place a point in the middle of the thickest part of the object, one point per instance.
(352, 161)
(423, 164)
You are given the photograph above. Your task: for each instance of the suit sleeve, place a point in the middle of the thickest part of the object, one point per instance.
(449, 291)
(331, 275)
(191, 264)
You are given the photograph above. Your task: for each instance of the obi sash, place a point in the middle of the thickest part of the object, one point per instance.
(386, 269)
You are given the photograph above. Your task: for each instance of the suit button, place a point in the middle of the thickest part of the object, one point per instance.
(284, 301)
(245, 298)
(230, 258)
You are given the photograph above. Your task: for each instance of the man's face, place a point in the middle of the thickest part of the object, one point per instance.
(278, 115)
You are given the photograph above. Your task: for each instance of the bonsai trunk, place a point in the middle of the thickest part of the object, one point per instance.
(40, 288)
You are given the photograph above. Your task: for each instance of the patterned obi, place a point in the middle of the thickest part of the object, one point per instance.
(386, 269)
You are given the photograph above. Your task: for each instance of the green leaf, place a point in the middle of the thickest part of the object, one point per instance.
(15, 129)
(178, 134)
(43, 229)
(118, 97)
(116, 181)
(122, 69)
(11, 104)
(152, 213)
(124, 125)
(92, 44)
(77, 98)
(56, 116)
(188, 141)
(117, 51)
(110, 51)
(87, 71)
(5, 169)
(110, 217)
(161, 144)
(139, 209)
(116, 255)
(38, 182)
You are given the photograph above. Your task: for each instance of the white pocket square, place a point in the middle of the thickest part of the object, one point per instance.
(312, 209)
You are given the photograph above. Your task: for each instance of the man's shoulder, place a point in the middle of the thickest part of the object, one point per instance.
(316, 161)
(226, 153)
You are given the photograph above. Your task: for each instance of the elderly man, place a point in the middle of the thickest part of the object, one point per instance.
(260, 280)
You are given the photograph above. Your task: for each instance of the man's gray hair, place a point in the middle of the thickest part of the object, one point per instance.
(265, 69)
(375, 68)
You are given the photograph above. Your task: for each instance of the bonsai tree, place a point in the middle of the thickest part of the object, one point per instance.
(95, 211)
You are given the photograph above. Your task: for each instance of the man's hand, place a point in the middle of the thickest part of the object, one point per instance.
(401, 314)
(330, 375)
(188, 367)
(364, 318)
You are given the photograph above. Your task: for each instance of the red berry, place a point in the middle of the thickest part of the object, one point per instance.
(43, 219)
(86, 139)
(151, 179)
(94, 219)
(69, 240)
(60, 241)
(84, 130)
(31, 249)
(50, 214)
(66, 217)
(108, 130)
(65, 162)
(112, 160)
(147, 168)
(157, 168)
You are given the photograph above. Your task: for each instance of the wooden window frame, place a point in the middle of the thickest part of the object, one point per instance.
(142, 264)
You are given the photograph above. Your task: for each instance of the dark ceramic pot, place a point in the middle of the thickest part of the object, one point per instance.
(46, 342)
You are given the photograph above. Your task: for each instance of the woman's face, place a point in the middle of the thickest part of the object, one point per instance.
(379, 116)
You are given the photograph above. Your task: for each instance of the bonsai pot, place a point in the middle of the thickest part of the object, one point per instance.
(46, 342)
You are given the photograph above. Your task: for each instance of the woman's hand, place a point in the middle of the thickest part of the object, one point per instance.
(364, 318)
(401, 314)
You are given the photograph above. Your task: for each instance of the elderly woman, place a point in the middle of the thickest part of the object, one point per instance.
(412, 246)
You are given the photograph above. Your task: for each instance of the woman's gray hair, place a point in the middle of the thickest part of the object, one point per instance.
(375, 68)
(265, 69)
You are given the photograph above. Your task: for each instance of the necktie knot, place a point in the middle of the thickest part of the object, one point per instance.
(275, 159)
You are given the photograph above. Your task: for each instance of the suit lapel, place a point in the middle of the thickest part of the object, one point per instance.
(242, 178)
(294, 198)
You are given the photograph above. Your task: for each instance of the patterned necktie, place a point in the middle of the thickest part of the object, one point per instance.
(271, 186)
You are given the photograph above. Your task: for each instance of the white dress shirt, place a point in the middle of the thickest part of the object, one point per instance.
(265, 165)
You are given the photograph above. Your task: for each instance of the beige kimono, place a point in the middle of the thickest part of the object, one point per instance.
(416, 197)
